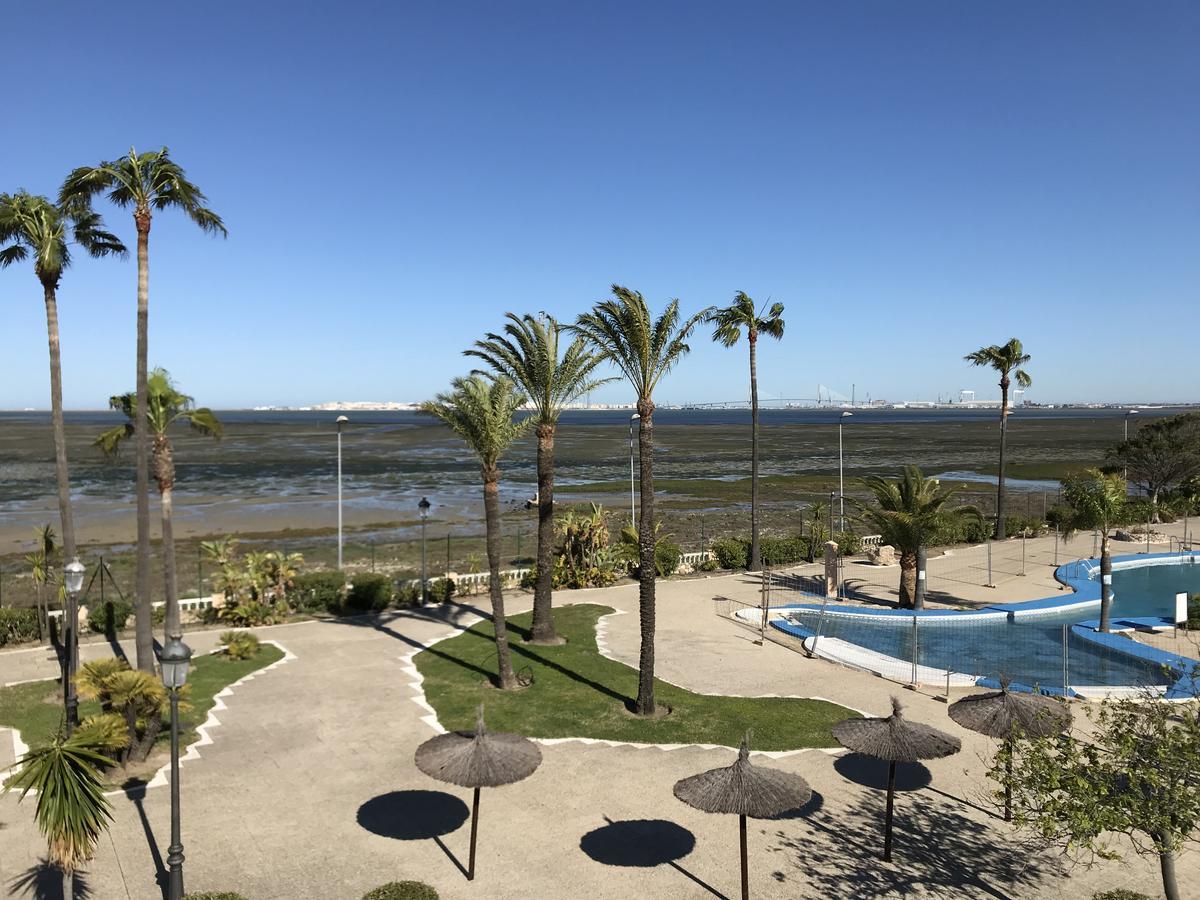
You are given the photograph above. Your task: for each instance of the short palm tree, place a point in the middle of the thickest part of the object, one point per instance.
(907, 512)
(147, 183)
(644, 349)
(72, 811)
(528, 354)
(41, 570)
(481, 411)
(166, 407)
(1006, 359)
(728, 325)
(32, 226)
(1096, 500)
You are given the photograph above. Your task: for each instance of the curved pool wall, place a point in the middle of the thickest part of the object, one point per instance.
(1104, 663)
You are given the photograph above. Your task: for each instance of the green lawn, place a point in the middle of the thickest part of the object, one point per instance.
(576, 692)
(36, 710)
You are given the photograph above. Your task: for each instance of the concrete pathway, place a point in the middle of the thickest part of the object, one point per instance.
(309, 790)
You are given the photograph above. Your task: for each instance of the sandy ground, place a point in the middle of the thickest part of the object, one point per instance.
(309, 788)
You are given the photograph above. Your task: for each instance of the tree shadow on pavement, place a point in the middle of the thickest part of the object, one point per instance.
(938, 852)
(45, 882)
(873, 773)
(415, 816)
(643, 844)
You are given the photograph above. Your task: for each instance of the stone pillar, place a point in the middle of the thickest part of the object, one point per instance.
(831, 568)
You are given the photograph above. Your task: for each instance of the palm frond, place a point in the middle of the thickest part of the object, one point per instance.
(481, 411)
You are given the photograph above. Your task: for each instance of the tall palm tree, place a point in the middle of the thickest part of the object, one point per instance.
(528, 354)
(907, 512)
(147, 183)
(644, 350)
(32, 226)
(1096, 500)
(481, 411)
(728, 324)
(1006, 359)
(166, 407)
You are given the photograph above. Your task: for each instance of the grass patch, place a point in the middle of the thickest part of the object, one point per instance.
(576, 692)
(36, 709)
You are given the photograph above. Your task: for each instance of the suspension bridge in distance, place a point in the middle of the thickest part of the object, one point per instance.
(826, 397)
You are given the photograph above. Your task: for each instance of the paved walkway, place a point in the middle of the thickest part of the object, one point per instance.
(309, 789)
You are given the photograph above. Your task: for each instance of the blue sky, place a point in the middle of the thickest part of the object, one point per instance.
(911, 179)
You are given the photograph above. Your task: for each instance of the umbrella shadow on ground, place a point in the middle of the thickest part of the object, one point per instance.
(938, 851)
(642, 844)
(136, 792)
(814, 805)
(45, 882)
(873, 773)
(415, 816)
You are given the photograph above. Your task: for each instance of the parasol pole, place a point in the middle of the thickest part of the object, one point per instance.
(745, 874)
(474, 830)
(887, 820)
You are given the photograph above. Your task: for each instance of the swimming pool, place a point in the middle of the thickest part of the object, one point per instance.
(1040, 644)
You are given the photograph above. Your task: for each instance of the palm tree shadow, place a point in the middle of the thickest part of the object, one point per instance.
(415, 816)
(642, 843)
(44, 881)
(135, 790)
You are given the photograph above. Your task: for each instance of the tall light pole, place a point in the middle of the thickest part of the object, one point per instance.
(341, 420)
(1128, 413)
(423, 506)
(174, 659)
(73, 573)
(632, 502)
(841, 474)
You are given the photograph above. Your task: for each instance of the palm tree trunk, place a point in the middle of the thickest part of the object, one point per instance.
(171, 627)
(1000, 532)
(755, 553)
(908, 578)
(56, 418)
(646, 572)
(143, 622)
(1105, 582)
(491, 513)
(543, 617)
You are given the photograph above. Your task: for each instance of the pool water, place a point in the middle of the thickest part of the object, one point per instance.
(1027, 648)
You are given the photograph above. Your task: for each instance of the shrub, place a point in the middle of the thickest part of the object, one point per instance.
(708, 565)
(369, 592)
(785, 551)
(214, 895)
(249, 614)
(666, 558)
(240, 644)
(1120, 894)
(402, 890)
(1015, 526)
(319, 591)
(731, 552)
(17, 625)
(110, 616)
(1194, 612)
(441, 590)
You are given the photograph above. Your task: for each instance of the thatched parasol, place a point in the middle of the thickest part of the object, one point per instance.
(1003, 715)
(478, 759)
(744, 790)
(894, 739)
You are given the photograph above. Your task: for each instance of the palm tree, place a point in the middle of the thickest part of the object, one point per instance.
(33, 226)
(907, 512)
(728, 324)
(1006, 359)
(644, 349)
(41, 570)
(147, 182)
(480, 411)
(1096, 500)
(166, 407)
(72, 811)
(527, 353)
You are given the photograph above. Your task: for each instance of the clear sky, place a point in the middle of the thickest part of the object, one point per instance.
(911, 179)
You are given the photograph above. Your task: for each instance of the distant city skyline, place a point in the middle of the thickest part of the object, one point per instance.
(911, 180)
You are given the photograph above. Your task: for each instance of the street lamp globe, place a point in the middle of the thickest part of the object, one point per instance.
(73, 573)
(174, 658)
(424, 506)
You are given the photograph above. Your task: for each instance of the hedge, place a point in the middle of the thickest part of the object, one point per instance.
(17, 625)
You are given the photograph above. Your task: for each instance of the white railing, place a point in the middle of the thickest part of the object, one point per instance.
(695, 559)
(472, 579)
(870, 541)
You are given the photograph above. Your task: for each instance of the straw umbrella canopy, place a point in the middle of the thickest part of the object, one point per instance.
(894, 739)
(744, 789)
(478, 759)
(1003, 715)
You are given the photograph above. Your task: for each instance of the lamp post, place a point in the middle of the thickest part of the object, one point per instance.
(423, 506)
(73, 573)
(173, 660)
(632, 502)
(341, 420)
(1128, 413)
(841, 474)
